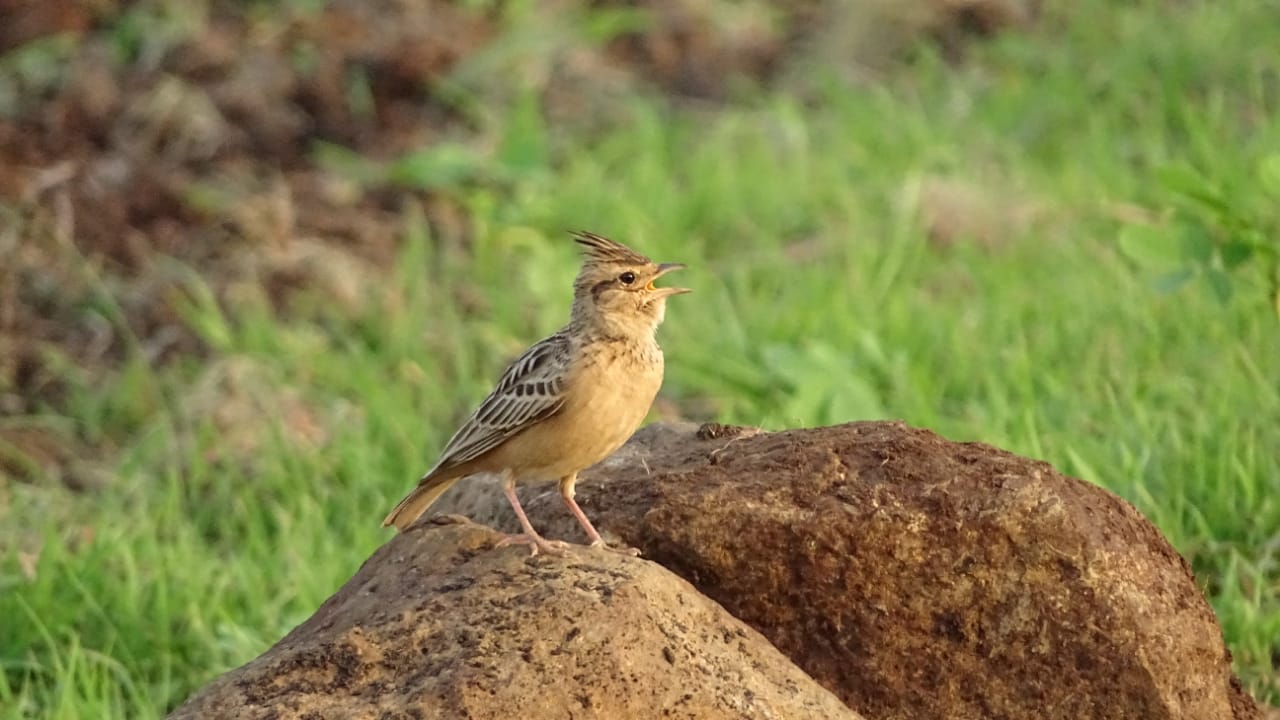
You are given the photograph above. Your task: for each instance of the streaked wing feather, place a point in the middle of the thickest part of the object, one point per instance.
(531, 389)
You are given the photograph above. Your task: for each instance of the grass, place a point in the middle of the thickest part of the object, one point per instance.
(253, 483)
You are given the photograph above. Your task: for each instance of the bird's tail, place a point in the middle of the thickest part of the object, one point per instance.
(417, 502)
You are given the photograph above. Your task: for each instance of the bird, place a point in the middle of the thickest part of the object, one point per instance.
(568, 401)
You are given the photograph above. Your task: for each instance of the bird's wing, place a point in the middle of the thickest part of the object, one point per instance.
(531, 389)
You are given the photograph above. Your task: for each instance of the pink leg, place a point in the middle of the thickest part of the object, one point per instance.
(566, 491)
(530, 537)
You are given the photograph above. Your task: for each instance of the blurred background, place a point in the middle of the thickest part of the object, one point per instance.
(258, 259)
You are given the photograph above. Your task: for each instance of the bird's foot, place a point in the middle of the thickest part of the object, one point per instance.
(537, 543)
(621, 550)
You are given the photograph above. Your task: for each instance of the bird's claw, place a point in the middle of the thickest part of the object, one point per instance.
(621, 550)
(537, 544)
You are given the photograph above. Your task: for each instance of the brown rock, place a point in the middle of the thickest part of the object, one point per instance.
(439, 624)
(917, 577)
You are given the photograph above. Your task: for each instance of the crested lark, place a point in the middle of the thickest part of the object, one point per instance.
(571, 399)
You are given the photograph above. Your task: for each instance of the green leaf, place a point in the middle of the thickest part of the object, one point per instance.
(525, 146)
(1236, 253)
(1197, 243)
(447, 165)
(853, 399)
(1220, 282)
(1174, 281)
(1151, 247)
(1269, 174)
(604, 24)
(1179, 178)
(1187, 182)
(821, 384)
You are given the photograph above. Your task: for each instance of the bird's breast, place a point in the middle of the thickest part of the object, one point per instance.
(612, 395)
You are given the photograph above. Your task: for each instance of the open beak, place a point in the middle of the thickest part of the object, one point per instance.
(663, 269)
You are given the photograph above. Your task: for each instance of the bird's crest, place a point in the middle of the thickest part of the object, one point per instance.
(598, 248)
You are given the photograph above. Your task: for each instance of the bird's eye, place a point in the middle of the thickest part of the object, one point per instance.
(627, 278)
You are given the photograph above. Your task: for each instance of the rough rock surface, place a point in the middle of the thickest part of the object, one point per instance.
(440, 624)
(913, 576)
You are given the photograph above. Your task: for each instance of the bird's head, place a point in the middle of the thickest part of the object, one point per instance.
(615, 290)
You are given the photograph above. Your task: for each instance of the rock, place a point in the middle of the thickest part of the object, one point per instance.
(440, 624)
(913, 576)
